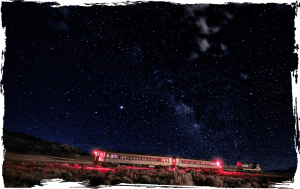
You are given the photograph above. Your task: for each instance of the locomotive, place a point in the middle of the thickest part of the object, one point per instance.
(243, 167)
(108, 158)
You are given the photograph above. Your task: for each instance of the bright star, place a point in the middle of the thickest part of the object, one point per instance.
(121, 107)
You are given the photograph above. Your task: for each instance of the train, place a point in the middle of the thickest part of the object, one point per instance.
(112, 159)
(109, 158)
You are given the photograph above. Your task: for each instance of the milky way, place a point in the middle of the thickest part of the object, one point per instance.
(199, 81)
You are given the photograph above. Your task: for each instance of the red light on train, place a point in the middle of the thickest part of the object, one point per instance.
(218, 163)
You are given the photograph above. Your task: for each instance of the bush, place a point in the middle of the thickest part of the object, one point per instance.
(184, 179)
(39, 169)
(255, 184)
(75, 171)
(145, 179)
(29, 179)
(199, 179)
(15, 184)
(217, 182)
(56, 173)
(126, 179)
(7, 172)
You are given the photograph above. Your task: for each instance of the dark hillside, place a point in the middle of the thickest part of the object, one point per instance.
(291, 170)
(26, 144)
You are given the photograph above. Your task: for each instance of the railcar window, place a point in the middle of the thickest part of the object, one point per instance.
(114, 156)
(107, 155)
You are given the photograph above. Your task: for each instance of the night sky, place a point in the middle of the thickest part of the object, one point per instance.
(198, 81)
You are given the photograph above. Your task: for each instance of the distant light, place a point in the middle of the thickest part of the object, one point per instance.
(121, 107)
(218, 163)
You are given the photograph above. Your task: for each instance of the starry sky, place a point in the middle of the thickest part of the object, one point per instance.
(199, 81)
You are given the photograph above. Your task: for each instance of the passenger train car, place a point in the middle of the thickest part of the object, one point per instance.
(114, 158)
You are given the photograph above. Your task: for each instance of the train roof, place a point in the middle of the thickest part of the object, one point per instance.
(136, 153)
(247, 163)
(133, 153)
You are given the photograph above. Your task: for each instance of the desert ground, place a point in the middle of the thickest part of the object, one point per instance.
(23, 170)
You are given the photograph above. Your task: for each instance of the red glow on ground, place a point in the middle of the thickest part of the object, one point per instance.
(137, 168)
(231, 173)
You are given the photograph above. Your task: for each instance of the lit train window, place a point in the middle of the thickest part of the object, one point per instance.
(114, 156)
(107, 155)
